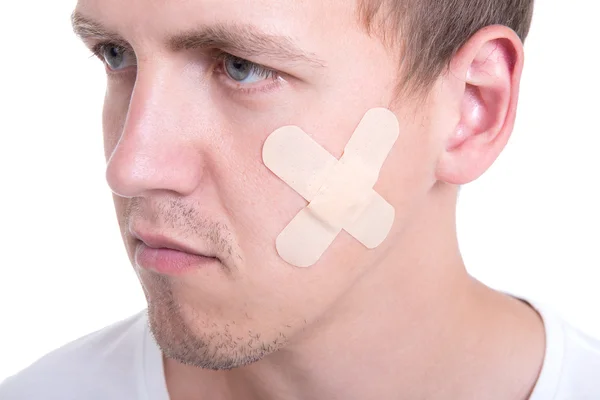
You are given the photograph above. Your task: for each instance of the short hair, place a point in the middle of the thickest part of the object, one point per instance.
(430, 32)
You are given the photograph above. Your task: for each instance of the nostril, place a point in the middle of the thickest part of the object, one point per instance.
(125, 173)
(118, 178)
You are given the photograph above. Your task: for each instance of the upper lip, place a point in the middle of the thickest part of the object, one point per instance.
(158, 241)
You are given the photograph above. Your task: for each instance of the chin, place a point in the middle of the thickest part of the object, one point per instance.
(190, 337)
(204, 344)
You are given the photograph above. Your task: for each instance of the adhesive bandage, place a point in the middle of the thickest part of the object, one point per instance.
(340, 192)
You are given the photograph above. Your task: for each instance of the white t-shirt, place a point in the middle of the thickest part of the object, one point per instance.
(123, 362)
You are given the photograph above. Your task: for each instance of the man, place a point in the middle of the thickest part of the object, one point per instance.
(195, 91)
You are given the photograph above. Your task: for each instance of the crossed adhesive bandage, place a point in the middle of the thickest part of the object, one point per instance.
(340, 192)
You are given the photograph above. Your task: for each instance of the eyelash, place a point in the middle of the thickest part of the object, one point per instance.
(274, 76)
(98, 49)
(220, 57)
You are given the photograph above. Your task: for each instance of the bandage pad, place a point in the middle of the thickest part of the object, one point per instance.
(340, 192)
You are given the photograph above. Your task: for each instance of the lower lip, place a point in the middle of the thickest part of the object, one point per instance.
(168, 261)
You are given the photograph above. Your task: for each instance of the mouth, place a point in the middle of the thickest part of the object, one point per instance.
(167, 256)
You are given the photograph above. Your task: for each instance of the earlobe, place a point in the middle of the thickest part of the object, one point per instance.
(490, 66)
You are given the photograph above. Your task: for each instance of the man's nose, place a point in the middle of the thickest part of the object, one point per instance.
(157, 149)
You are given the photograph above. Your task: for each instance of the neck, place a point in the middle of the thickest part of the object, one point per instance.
(415, 324)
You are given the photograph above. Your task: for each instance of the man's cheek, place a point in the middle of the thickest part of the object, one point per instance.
(260, 212)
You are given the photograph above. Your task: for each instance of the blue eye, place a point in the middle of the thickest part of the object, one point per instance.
(116, 57)
(243, 71)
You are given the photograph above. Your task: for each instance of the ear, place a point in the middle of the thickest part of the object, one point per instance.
(488, 73)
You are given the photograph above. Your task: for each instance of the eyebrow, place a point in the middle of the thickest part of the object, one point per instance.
(239, 39)
(88, 29)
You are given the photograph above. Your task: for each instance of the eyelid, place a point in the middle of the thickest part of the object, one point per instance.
(273, 79)
(221, 56)
(98, 49)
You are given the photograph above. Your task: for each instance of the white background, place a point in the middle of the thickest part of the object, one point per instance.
(530, 225)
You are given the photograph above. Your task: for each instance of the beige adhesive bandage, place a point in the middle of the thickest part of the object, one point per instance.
(340, 192)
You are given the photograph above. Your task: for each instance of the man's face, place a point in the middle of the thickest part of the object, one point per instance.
(184, 131)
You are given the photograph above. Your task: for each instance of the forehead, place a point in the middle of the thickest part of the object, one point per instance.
(146, 20)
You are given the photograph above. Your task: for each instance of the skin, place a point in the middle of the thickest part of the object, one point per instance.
(183, 144)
